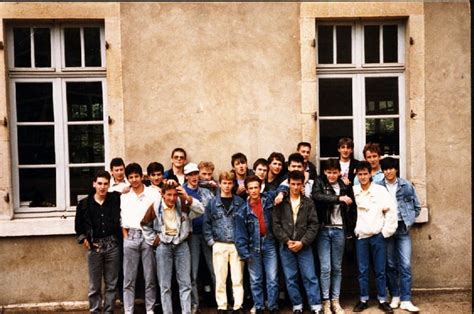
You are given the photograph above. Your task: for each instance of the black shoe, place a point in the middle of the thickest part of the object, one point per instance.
(260, 311)
(221, 311)
(274, 311)
(359, 307)
(239, 311)
(384, 306)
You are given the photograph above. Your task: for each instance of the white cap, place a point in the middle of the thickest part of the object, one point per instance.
(190, 167)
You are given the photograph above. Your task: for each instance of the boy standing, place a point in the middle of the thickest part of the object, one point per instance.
(206, 179)
(118, 182)
(241, 171)
(399, 276)
(345, 147)
(372, 156)
(155, 172)
(260, 169)
(304, 148)
(178, 160)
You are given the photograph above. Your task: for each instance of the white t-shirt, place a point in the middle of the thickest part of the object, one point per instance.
(133, 207)
(345, 168)
(336, 218)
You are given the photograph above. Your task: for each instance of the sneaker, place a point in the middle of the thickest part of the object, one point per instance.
(336, 307)
(327, 307)
(359, 307)
(408, 306)
(395, 302)
(317, 312)
(297, 311)
(384, 306)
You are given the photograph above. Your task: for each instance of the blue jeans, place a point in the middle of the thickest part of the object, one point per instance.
(266, 263)
(399, 263)
(196, 244)
(134, 249)
(376, 247)
(302, 262)
(330, 251)
(103, 261)
(166, 256)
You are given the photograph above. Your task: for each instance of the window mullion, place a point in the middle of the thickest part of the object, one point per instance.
(381, 43)
(359, 111)
(334, 45)
(32, 44)
(83, 50)
(60, 143)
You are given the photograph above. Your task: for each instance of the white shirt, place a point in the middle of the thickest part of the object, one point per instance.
(133, 207)
(345, 168)
(336, 218)
(117, 186)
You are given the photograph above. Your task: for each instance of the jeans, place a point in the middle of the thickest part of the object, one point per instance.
(399, 263)
(134, 247)
(103, 261)
(264, 262)
(196, 244)
(376, 247)
(302, 262)
(166, 256)
(330, 251)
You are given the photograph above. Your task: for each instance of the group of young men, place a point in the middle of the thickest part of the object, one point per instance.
(280, 214)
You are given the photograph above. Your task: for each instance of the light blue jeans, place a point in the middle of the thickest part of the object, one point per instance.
(399, 263)
(134, 247)
(196, 244)
(178, 255)
(330, 251)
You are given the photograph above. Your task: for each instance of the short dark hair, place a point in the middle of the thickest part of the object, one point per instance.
(238, 157)
(295, 157)
(167, 187)
(332, 163)
(278, 156)
(305, 144)
(260, 161)
(179, 149)
(363, 165)
(252, 178)
(133, 168)
(155, 167)
(116, 162)
(102, 174)
(296, 176)
(345, 141)
(372, 147)
(389, 163)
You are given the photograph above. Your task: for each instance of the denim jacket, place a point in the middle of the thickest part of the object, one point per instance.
(218, 225)
(407, 201)
(247, 228)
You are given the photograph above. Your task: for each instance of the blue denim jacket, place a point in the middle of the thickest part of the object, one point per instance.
(218, 225)
(407, 201)
(247, 228)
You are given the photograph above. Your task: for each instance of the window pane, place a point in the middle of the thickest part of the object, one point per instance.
(330, 131)
(84, 101)
(86, 143)
(42, 47)
(22, 47)
(390, 43)
(81, 182)
(381, 95)
(344, 44)
(92, 46)
(335, 97)
(72, 47)
(38, 187)
(371, 44)
(325, 44)
(36, 145)
(34, 102)
(385, 132)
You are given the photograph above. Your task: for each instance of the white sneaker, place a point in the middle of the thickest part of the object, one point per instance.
(408, 306)
(395, 302)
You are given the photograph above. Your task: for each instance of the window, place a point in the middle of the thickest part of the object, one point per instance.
(360, 84)
(58, 122)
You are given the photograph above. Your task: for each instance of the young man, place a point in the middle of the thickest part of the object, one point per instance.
(155, 171)
(399, 245)
(134, 205)
(118, 182)
(166, 226)
(260, 169)
(206, 179)
(376, 221)
(178, 160)
(218, 230)
(295, 225)
(197, 242)
(333, 200)
(345, 147)
(304, 148)
(97, 225)
(372, 156)
(276, 173)
(256, 244)
(241, 171)
(296, 163)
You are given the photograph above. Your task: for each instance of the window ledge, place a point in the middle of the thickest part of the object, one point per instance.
(423, 216)
(37, 226)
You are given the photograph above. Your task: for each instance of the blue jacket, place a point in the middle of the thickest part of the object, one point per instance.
(204, 196)
(218, 225)
(247, 228)
(407, 201)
